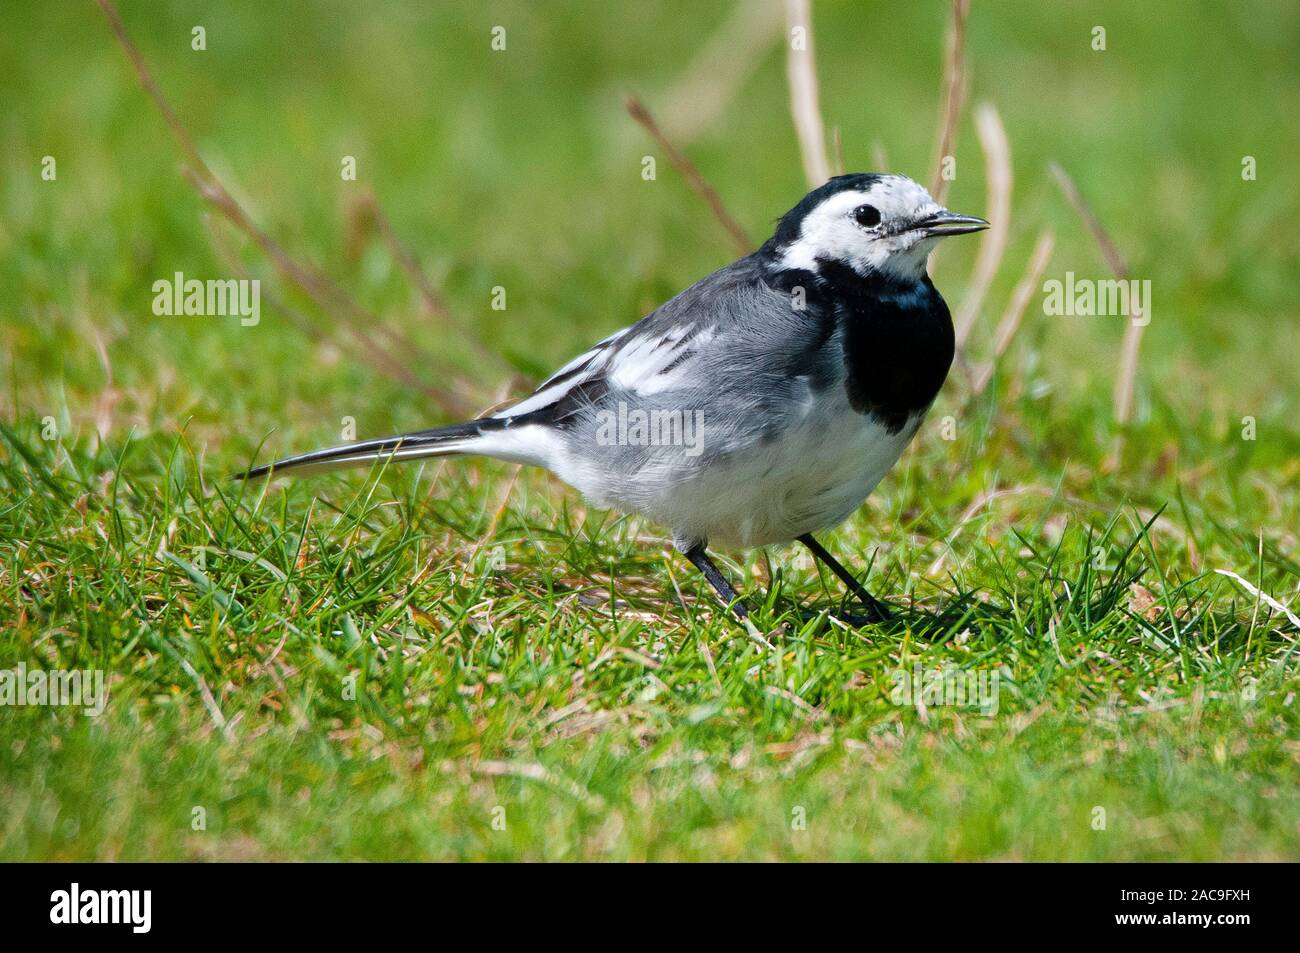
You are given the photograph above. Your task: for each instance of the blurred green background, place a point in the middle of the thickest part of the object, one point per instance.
(521, 169)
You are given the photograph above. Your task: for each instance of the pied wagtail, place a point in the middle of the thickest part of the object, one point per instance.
(800, 373)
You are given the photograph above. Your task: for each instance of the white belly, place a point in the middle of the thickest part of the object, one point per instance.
(811, 479)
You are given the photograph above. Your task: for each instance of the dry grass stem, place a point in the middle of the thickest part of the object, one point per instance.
(720, 69)
(801, 72)
(1108, 248)
(1261, 596)
(454, 403)
(879, 157)
(313, 282)
(229, 258)
(637, 110)
(1020, 298)
(433, 300)
(1126, 379)
(997, 171)
(952, 97)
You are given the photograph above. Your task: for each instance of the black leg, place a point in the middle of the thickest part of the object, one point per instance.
(877, 611)
(704, 564)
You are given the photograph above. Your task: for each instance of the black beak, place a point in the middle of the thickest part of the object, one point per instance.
(944, 223)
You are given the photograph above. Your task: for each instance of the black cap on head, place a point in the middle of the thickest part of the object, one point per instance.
(787, 229)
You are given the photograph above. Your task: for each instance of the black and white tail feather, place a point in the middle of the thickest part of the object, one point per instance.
(807, 365)
(556, 399)
(435, 442)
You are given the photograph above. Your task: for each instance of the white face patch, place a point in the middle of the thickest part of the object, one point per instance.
(830, 231)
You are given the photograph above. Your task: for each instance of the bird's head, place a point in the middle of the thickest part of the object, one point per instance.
(877, 225)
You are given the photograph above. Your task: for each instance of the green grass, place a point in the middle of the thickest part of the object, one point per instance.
(379, 666)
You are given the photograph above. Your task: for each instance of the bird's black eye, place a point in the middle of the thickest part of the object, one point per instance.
(868, 216)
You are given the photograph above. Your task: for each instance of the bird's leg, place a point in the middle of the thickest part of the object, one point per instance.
(697, 555)
(877, 611)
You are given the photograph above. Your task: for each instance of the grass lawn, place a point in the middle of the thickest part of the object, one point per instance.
(460, 660)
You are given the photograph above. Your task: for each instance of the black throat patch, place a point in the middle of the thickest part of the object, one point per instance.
(898, 339)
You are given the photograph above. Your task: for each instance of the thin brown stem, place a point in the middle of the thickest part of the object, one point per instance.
(433, 300)
(1126, 379)
(451, 402)
(718, 71)
(327, 295)
(997, 170)
(1020, 298)
(697, 182)
(952, 96)
(805, 107)
(227, 255)
(1109, 250)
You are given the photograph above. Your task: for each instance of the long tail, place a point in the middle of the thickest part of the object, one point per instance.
(475, 436)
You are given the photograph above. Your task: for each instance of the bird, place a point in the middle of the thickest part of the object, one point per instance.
(760, 406)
